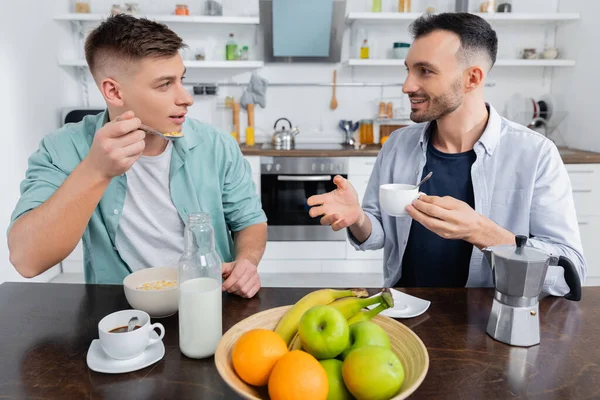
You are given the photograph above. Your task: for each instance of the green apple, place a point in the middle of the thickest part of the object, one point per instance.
(364, 334)
(373, 373)
(337, 388)
(323, 332)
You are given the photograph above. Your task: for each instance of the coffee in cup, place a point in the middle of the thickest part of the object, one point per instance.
(126, 345)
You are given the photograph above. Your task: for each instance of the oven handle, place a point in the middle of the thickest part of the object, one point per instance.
(301, 178)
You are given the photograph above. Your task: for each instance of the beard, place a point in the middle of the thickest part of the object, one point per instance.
(438, 106)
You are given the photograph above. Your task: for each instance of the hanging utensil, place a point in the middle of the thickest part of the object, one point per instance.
(334, 102)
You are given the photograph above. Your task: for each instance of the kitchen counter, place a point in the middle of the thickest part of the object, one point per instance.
(47, 329)
(569, 156)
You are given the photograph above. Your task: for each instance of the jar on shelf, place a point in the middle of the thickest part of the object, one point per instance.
(366, 131)
(401, 50)
(488, 6)
(504, 6)
(182, 9)
(214, 8)
(404, 6)
(132, 8)
(200, 54)
(364, 50)
(116, 9)
(244, 54)
(82, 7)
(376, 7)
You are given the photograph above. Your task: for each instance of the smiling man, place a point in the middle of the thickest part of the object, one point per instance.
(128, 194)
(492, 179)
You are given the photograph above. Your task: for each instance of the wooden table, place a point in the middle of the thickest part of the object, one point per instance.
(46, 330)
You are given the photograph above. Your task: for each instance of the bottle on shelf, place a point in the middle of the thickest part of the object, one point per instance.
(231, 49)
(364, 50)
(404, 6)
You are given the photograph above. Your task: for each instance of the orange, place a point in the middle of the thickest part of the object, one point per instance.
(255, 354)
(383, 140)
(298, 376)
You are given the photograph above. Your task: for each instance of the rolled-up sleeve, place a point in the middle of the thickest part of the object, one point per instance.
(370, 205)
(42, 180)
(241, 203)
(553, 223)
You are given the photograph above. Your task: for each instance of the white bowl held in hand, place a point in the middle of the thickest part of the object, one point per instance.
(394, 197)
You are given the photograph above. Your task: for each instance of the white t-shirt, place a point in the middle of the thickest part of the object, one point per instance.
(150, 232)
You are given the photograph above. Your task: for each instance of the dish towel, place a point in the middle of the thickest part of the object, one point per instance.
(256, 92)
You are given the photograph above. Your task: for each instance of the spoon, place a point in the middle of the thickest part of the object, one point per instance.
(132, 323)
(334, 102)
(424, 180)
(153, 131)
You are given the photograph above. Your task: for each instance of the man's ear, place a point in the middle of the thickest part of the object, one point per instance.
(112, 93)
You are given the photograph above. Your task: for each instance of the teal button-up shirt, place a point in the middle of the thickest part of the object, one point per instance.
(208, 174)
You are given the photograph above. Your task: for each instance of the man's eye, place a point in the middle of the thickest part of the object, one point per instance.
(182, 78)
(425, 71)
(166, 85)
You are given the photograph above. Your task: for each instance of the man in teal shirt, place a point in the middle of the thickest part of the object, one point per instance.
(128, 194)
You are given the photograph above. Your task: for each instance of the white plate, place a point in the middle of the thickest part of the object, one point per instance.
(98, 361)
(405, 306)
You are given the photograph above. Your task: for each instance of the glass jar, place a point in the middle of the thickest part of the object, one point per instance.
(366, 131)
(116, 9)
(214, 7)
(488, 6)
(504, 6)
(82, 7)
(132, 8)
(200, 305)
(376, 7)
(244, 53)
(404, 6)
(182, 9)
(401, 50)
(364, 50)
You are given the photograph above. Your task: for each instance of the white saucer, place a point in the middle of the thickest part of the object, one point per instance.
(98, 361)
(405, 306)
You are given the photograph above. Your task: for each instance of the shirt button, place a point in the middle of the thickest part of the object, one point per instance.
(115, 211)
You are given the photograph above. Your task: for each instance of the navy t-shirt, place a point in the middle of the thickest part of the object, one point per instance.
(429, 259)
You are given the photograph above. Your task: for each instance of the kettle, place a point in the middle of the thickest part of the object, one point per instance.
(519, 274)
(284, 139)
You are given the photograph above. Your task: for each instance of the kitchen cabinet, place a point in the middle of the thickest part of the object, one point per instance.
(359, 172)
(585, 180)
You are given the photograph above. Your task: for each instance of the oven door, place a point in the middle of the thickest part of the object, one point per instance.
(284, 200)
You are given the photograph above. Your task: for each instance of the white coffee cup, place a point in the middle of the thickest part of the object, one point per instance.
(394, 197)
(123, 346)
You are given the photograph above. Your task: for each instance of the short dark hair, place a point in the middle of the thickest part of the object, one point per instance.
(126, 37)
(475, 33)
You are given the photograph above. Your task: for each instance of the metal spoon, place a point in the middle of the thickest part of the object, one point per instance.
(424, 180)
(132, 323)
(153, 131)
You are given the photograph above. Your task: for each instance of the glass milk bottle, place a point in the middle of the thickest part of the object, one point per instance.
(200, 327)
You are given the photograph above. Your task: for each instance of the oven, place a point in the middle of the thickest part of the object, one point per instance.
(286, 184)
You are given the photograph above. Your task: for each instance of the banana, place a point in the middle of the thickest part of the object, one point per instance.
(349, 306)
(296, 344)
(288, 325)
(367, 315)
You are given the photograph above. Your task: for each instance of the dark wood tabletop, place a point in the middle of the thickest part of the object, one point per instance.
(47, 328)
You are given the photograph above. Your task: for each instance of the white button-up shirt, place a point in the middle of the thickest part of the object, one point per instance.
(519, 182)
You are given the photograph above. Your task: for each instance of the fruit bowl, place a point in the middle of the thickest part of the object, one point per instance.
(405, 343)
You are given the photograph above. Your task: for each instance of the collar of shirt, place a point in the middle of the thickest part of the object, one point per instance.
(489, 138)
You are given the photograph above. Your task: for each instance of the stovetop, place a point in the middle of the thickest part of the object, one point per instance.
(307, 146)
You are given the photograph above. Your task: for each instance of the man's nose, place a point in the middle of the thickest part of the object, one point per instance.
(410, 85)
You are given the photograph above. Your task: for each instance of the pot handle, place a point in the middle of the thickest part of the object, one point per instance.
(282, 119)
(572, 279)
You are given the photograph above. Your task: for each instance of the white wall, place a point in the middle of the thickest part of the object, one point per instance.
(29, 99)
(309, 107)
(577, 88)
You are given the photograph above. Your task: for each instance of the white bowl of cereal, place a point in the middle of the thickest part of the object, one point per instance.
(153, 290)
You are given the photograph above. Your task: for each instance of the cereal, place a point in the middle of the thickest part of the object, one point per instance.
(158, 285)
(173, 134)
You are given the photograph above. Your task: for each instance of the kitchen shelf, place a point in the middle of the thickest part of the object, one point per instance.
(199, 19)
(492, 17)
(188, 64)
(356, 62)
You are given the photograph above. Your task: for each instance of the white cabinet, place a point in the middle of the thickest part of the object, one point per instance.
(359, 172)
(585, 179)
